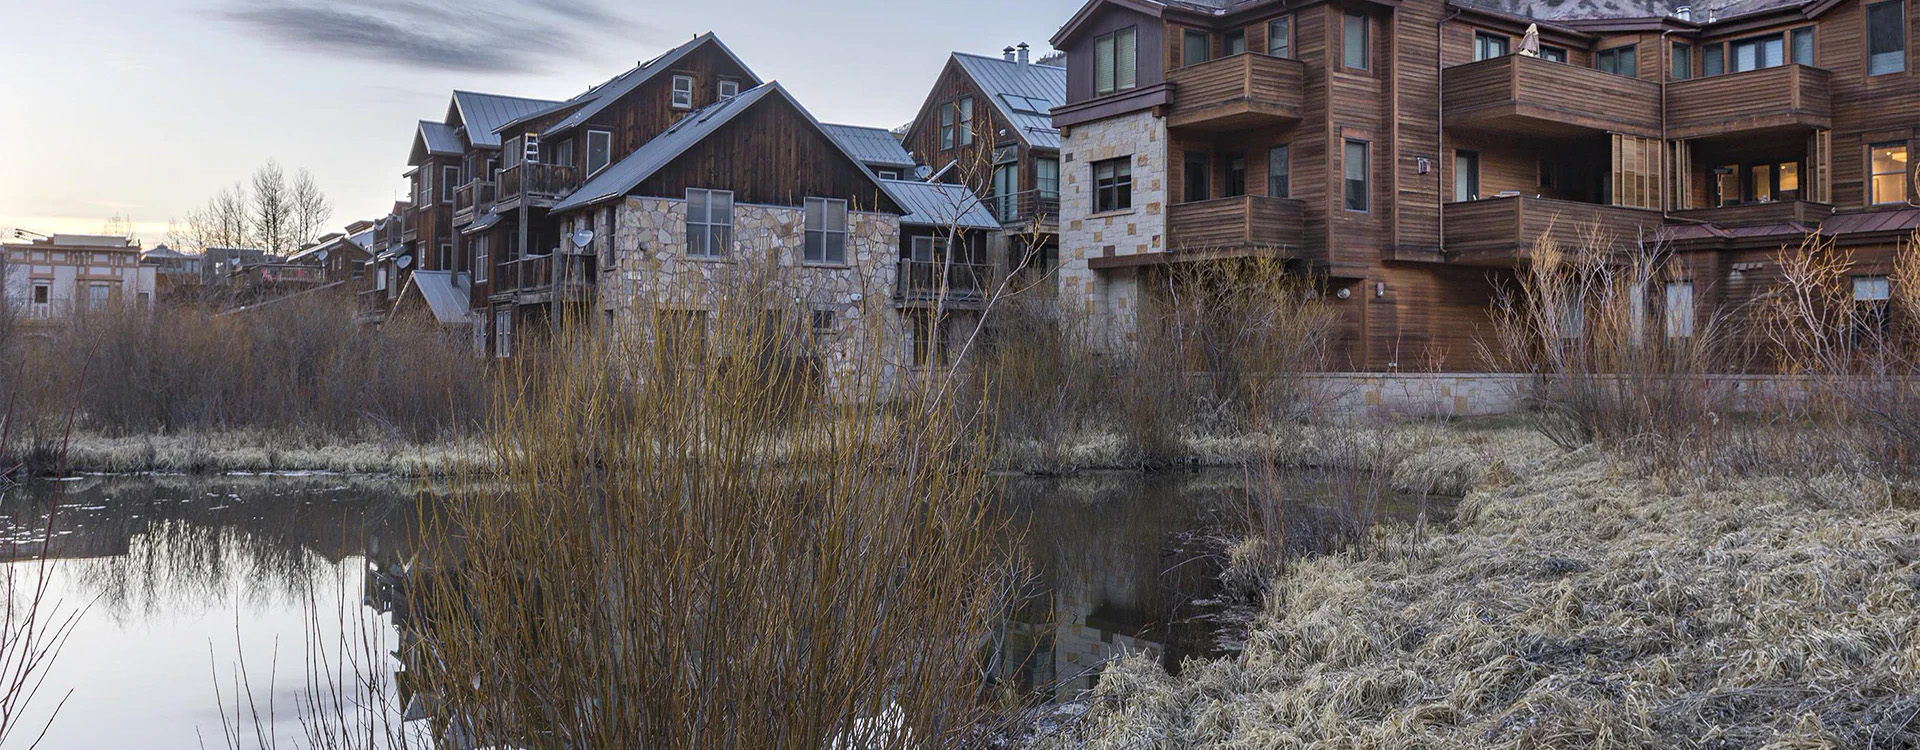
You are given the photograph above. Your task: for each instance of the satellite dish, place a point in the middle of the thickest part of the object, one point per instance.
(320, 256)
(923, 171)
(235, 262)
(583, 238)
(403, 262)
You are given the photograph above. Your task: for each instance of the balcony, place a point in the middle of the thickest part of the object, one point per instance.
(1521, 95)
(1237, 92)
(1749, 214)
(1503, 231)
(1784, 97)
(539, 185)
(371, 307)
(472, 199)
(409, 226)
(1247, 221)
(1026, 211)
(927, 282)
(530, 281)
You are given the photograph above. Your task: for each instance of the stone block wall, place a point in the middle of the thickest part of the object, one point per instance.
(1110, 300)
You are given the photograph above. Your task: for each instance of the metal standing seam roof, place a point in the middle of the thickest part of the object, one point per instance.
(440, 140)
(482, 114)
(874, 147)
(1044, 85)
(444, 297)
(623, 177)
(586, 105)
(1597, 10)
(940, 204)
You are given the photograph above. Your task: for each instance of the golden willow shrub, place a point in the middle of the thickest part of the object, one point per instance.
(723, 528)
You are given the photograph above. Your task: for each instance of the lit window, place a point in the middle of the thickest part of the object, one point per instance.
(1889, 184)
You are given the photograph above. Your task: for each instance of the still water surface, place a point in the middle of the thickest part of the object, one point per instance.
(187, 581)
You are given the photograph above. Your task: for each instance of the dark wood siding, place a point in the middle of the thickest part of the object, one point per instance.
(769, 155)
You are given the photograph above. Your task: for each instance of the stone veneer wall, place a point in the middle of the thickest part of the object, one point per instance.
(1110, 300)
(651, 266)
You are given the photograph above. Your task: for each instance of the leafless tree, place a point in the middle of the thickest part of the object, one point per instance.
(272, 209)
(311, 209)
(118, 225)
(225, 221)
(269, 212)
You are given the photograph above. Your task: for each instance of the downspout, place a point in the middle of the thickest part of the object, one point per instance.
(1666, 180)
(1440, 131)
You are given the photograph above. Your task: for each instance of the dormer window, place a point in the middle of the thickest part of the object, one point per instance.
(683, 92)
(599, 150)
(729, 90)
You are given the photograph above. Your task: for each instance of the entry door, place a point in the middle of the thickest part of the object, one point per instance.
(1006, 186)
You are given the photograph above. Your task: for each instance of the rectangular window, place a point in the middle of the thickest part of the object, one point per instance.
(1760, 52)
(1353, 42)
(946, 126)
(1046, 178)
(1726, 186)
(1466, 175)
(1682, 63)
(560, 152)
(1236, 43)
(1788, 178)
(599, 150)
(40, 293)
(1712, 60)
(503, 334)
(683, 92)
(1760, 178)
(1354, 165)
(1113, 62)
(481, 261)
(1679, 309)
(709, 222)
(826, 230)
(1556, 54)
(729, 90)
(887, 174)
(963, 115)
(1195, 179)
(1801, 40)
(1872, 298)
(1280, 37)
(1278, 183)
(1547, 171)
(1003, 191)
(1618, 61)
(1889, 165)
(1234, 168)
(1193, 47)
(97, 295)
(1487, 46)
(822, 323)
(1113, 185)
(1886, 37)
(449, 179)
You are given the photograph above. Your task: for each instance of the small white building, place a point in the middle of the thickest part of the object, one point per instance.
(64, 273)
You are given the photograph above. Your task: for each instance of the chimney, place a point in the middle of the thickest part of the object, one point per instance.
(1684, 12)
(1023, 53)
(1007, 54)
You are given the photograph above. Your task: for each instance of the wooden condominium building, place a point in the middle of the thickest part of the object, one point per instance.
(1412, 152)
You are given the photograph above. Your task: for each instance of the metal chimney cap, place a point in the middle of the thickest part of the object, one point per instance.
(1007, 54)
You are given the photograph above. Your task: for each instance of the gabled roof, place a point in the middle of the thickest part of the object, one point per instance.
(1023, 93)
(444, 297)
(874, 147)
(434, 139)
(621, 178)
(481, 114)
(939, 204)
(586, 105)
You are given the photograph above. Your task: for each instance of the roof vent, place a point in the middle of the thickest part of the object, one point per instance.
(1684, 12)
(1007, 54)
(1023, 53)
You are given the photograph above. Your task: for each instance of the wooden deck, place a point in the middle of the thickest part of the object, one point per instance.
(1244, 221)
(1236, 92)
(1523, 95)
(1789, 96)
(1747, 214)
(1503, 231)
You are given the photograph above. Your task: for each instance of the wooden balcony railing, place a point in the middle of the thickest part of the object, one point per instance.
(534, 277)
(1501, 231)
(1783, 96)
(925, 281)
(1235, 92)
(371, 305)
(471, 199)
(1021, 211)
(409, 226)
(1746, 214)
(1240, 222)
(1528, 95)
(538, 183)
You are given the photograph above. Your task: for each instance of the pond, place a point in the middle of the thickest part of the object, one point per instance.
(196, 593)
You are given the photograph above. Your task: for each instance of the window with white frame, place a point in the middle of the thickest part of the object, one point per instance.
(887, 174)
(41, 293)
(1679, 309)
(709, 222)
(599, 150)
(946, 127)
(503, 333)
(963, 113)
(826, 230)
(683, 92)
(729, 90)
(480, 259)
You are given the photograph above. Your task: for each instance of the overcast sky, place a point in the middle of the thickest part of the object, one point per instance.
(145, 108)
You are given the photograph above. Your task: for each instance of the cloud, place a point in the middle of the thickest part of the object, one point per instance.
(489, 36)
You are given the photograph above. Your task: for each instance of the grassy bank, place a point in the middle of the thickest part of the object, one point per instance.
(1580, 606)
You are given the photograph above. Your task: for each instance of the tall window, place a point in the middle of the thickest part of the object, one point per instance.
(1618, 61)
(1195, 177)
(1726, 185)
(1354, 165)
(1353, 42)
(683, 92)
(1466, 175)
(709, 222)
(503, 333)
(1760, 52)
(1712, 60)
(946, 127)
(826, 230)
(1679, 309)
(599, 150)
(1113, 62)
(1113, 185)
(1193, 47)
(1004, 190)
(963, 116)
(1280, 37)
(480, 260)
(1278, 182)
(1889, 163)
(449, 179)
(1886, 37)
(1801, 40)
(1046, 178)
(1236, 43)
(1487, 45)
(40, 293)
(1682, 62)
(1234, 168)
